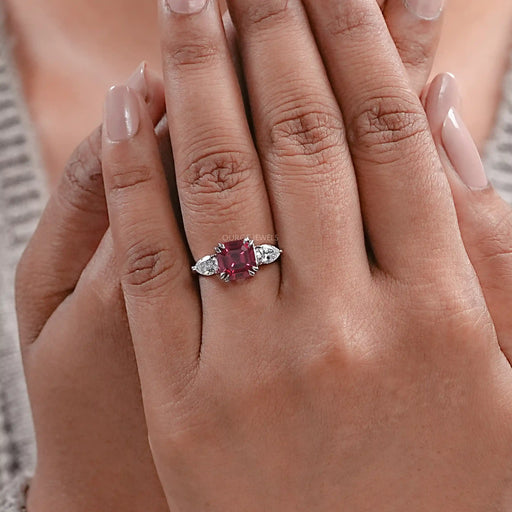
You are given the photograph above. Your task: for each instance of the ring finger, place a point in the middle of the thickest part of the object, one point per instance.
(221, 187)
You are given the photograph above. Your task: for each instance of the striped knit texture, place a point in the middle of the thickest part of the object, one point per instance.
(22, 194)
(498, 157)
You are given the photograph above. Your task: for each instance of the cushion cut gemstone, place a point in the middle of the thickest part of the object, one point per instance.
(237, 259)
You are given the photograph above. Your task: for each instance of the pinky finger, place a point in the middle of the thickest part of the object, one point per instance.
(485, 219)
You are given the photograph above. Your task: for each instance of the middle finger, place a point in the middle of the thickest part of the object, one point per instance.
(300, 137)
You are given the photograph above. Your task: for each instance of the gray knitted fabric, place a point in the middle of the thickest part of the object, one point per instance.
(498, 156)
(12, 498)
(22, 195)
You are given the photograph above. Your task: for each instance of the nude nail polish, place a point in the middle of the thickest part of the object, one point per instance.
(122, 117)
(462, 151)
(425, 9)
(186, 6)
(138, 82)
(443, 94)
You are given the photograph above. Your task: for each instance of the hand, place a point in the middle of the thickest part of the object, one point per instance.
(82, 378)
(330, 379)
(78, 355)
(30, 279)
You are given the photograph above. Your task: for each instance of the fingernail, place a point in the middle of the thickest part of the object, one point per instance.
(121, 113)
(425, 9)
(462, 151)
(442, 96)
(186, 6)
(138, 82)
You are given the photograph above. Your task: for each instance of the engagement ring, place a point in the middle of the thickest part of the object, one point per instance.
(237, 260)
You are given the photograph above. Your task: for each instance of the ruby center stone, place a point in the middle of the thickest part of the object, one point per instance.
(237, 259)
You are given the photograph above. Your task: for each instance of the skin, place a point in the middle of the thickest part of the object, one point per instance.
(77, 214)
(93, 279)
(305, 400)
(479, 68)
(44, 56)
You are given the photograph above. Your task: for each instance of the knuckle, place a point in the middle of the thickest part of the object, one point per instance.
(148, 269)
(414, 54)
(353, 22)
(447, 300)
(82, 181)
(307, 131)
(265, 12)
(384, 124)
(122, 178)
(196, 54)
(329, 359)
(216, 174)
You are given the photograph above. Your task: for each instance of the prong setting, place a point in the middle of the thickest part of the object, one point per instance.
(237, 260)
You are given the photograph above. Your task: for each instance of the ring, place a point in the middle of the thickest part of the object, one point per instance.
(238, 260)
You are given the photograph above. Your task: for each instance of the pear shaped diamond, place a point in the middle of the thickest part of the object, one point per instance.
(266, 254)
(207, 266)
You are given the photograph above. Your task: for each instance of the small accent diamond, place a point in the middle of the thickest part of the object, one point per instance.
(207, 266)
(266, 254)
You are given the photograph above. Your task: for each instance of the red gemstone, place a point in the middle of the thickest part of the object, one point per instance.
(237, 260)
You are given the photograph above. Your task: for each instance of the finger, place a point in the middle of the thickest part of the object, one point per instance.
(68, 370)
(232, 39)
(301, 141)
(152, 261)
(406, 201)
(485, 219)
(71, 226)
(415, 26)
(221, 187)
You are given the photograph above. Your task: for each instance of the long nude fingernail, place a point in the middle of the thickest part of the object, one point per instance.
(462, 151)
(122, 117)
(442, 96)
(138, 82)
(425, 9)
(186, 6)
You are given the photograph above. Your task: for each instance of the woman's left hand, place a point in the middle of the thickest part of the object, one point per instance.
(76, 345)
(334, 377)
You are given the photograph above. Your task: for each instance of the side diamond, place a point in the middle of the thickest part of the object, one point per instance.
(207, 266)
(266, 254)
